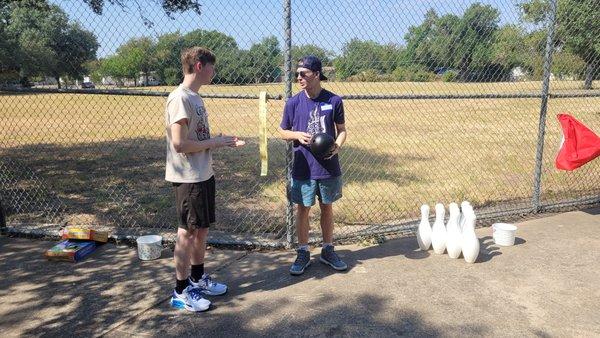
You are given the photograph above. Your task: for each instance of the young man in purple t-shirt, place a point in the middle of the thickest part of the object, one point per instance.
(311, 111)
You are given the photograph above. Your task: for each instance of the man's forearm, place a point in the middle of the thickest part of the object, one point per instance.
(341, 138)
(189, 146)
(288, 135)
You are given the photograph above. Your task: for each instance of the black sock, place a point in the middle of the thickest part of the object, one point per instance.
(181, 285)
(197, 272)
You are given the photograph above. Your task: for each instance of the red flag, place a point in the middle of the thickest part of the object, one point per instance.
(579, 145)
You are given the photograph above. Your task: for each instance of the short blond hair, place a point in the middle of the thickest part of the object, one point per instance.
(190, 56)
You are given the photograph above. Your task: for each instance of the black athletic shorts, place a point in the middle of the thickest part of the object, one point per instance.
(195, 204)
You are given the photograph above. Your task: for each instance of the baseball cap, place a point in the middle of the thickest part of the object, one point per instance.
(313, 63)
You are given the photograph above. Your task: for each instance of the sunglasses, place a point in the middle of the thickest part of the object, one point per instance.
(303, 74)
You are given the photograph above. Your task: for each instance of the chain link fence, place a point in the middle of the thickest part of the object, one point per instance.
(444, 101)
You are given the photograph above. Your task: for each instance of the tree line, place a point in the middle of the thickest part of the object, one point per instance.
(37, 39)
(472, 46)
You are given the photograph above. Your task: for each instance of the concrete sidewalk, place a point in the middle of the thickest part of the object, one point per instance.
(545, 285)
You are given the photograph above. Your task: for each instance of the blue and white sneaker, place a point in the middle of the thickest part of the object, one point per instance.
(209, 287)
(190, 299)
(301, 263)
(329, 257)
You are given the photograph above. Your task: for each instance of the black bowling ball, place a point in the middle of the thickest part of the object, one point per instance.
(321, 144)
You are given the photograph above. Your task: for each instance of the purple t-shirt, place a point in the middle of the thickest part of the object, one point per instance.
(313, 116)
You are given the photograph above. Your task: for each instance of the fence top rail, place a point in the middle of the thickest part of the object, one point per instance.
(127, 92)
(468, 96)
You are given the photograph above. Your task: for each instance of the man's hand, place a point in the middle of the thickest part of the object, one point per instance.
(303, 138)
(224, 141)
(333, 151)
(238, 143)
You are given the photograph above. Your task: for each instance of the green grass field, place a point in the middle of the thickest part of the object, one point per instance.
(102, 156)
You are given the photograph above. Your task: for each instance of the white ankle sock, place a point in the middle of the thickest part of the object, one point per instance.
(327, 244)
(303, 247)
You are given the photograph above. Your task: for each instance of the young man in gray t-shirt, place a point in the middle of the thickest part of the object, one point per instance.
(189, 168)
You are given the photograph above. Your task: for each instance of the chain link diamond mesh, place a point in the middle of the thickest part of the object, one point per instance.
(444, 102)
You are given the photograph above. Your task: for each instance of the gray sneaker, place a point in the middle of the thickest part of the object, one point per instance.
(329, 257)
(302, 262)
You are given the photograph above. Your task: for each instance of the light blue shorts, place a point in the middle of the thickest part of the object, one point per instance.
(329, 190)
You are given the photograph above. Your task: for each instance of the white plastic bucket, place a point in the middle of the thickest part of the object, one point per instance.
(504, 233)
(149, 247)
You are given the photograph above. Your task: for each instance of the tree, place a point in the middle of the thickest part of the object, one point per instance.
(534, 46)
(508, 49)
(94, 69)
(566, 65)
(9, 44)
(474, 37)
(324, 55)
(418, 42)
(8, 52)
(443, 43)
(265, 60)
(132, 58)
(225, 47)
(46, 43)
(168, 54)
(114, 67)
(137, 56)
(464, 43)
(74, 48)
(31, 30)
(578, 29)
(169, 6)
(367, 56)
(261, 63)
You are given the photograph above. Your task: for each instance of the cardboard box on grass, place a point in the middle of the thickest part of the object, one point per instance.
(70, 250)
(84, 234)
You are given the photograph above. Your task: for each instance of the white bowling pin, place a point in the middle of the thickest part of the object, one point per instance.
(461, 221)
(454, 237)
(438, 232)
(424, 230)
(468, 211)
(470, 242)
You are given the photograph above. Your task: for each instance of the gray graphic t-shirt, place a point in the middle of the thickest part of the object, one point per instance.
(184, 103)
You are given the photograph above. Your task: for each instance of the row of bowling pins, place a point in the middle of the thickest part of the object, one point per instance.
(457, 236)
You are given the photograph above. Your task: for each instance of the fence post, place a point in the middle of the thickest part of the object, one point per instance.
(2, 218)
(287, 54)
(544, 106)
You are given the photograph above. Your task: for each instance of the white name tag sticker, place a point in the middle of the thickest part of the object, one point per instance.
(326, 107)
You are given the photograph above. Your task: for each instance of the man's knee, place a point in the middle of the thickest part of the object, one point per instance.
(303, 210)
(201, 233)
(186, 234)
(324, 206)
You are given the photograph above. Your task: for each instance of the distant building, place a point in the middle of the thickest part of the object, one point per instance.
(518, 74)
(108, 81)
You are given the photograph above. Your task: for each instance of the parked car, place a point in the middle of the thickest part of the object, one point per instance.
(442, 70)
(88, 85)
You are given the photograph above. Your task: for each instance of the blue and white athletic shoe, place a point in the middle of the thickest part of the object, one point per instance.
(329, 257)
(209, 287)
(301, 263)
(190, 299)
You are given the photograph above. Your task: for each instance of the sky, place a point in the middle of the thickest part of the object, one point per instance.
(326, 23)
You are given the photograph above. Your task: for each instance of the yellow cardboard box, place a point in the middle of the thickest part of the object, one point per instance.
(85, 234)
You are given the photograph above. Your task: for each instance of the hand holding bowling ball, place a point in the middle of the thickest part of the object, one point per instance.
(321, 145)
